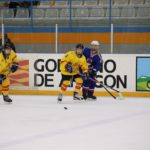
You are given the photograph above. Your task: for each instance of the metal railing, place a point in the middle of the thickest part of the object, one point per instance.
(72, 12)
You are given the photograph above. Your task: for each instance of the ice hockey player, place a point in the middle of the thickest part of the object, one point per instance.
(69, 66)
(94, 60)
(8, 64)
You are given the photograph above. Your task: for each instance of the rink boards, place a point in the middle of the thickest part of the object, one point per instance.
(40, 74)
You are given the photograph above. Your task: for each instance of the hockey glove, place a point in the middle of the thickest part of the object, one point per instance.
(85, 76)
(89, 60)
(14, 67)
(68, 68)
(92, 72)
(2, 77)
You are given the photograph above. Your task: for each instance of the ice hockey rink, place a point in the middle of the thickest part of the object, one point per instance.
(40, 123)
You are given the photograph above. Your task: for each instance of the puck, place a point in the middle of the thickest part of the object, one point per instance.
(65, 108)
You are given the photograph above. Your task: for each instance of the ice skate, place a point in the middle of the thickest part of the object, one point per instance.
(76, 96)
(84, 97)
(7, 99)
(59, 99)
(92, 97)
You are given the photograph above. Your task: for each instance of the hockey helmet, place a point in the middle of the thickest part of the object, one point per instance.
(7, 46)
(7, 49)
(96, 43)
(80, 46)
(79, 49)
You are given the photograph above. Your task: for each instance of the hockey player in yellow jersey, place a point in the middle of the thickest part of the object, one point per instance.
(8, 64)
(69, 66)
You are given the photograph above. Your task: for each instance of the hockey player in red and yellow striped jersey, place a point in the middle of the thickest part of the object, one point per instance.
(8, 63)
(69, 66)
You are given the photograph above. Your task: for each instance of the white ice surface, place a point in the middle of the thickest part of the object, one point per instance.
(40, 123)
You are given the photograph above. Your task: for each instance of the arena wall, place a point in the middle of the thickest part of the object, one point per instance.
(126, 40)
(40, 74)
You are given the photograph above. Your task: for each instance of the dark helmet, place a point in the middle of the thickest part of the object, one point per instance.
(7, 45)
(80, 45)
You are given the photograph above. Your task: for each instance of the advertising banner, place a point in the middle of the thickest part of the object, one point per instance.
(125, 72)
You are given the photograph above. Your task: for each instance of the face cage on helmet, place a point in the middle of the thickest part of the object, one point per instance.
(7, 51)
(80, 53)
(80, 50)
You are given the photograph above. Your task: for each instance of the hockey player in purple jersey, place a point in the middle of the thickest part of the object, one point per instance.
(94, 60)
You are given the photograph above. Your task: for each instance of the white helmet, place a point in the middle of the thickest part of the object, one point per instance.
(96, 43)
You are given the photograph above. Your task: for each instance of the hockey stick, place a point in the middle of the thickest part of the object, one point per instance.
(94, 80)
(104, 86)
(120, 97)
(109, 92)
(105, 89)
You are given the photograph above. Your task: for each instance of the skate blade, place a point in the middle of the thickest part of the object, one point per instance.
(8, 102)
(90, 99)
(59, 100)
(77, 99)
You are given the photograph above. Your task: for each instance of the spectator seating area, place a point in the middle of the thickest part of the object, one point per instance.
(83, 3)
(94, 3)
(65, 3)
(82, 13)
(83, 9)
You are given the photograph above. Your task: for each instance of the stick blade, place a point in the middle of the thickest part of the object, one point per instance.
(120, 96)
